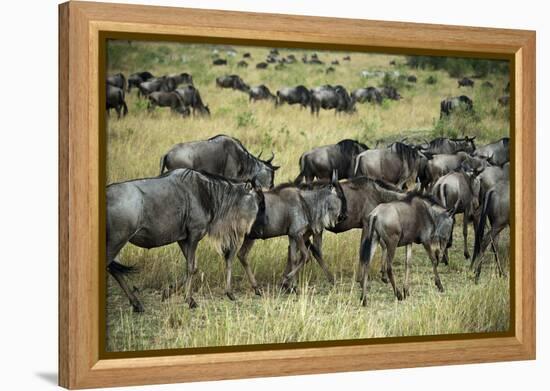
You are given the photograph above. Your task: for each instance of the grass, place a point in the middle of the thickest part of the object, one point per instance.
(319, 312)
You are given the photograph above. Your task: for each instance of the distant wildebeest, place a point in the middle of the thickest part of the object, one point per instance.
(442, 164)
(162, 83)
(335, 62)
(117, 80)
(328, 98)
(165, 99)
(448, 105)
(449, 145)
(487, 84)
(247, 55)
(346, 58)
(261, 65)
(242, 64)
(390, 93)
(274, 52)
(330, 70)
(465, 82)
(462, 190)
(294, 95)
(320, 162)
(191, 97)
(496, 208)
(135, 79)
(220, 155)
(271, 59)
(181, 206)
(232, 81)
(397, 164)
(369, 94)
(496, 153)
(219, 61)
(411, 79)
(504, 100)
(116, 100)
(280, 66)
(430, 80)
(181, 78)
(392, 62)
(260, 92)
(298, 212)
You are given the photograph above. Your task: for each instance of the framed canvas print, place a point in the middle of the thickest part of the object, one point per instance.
(247, 195)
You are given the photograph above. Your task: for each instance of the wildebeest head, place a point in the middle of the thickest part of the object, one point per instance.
(334, 205)
(265, 173)
(444, 222)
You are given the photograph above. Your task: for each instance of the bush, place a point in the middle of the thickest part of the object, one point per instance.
(431, 80)
(459, 123)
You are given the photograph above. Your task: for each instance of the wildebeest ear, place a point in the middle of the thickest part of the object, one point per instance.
(275, 168)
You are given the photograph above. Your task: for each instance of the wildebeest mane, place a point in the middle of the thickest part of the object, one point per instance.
(348, 146)
(405, 152)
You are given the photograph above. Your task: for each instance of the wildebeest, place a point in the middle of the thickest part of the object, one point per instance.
(416, 219)
(392, 62)
(135, 79)
(397, 164)
(220, 155)
(274, 52)
(261, 92)
(117, 80)
(442, 164)
(164, 99)
(390, 93)
(247, 55)
(261, 65)
(496, 153)
(465, 82)
(181, 78)
(335, 62)
(242, 64)
(298, 212)
(346, 58)
(162, 83)
(496, 208)
(369, 94)
(294, 95)
(191, 97)
(219, 61)
(330, 70)
(328, 97)
(448, 105)
(504, 100)
(449, 145)
(487, 84)
(271, 59)
(431, 80)
(462, 190)
(232, 81)
(181, 206)
(411, 79)
(116, 100)
(490, 177)
(320, 162)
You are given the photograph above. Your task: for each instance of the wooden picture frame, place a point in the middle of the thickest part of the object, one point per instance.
(81, 27)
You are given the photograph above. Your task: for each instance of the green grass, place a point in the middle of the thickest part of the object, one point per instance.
(319, 312)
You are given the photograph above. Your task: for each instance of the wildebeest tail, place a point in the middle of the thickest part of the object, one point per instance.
(114, 266)
(163, 163)
(443, 195)
(481, 226)
(366, 246)
(313, 248)
(300, 176)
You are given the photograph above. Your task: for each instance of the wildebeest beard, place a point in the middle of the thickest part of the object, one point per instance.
(315, 204)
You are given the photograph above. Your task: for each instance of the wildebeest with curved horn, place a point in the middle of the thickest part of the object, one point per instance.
(328, 97)
(232, 81)
(260, 92)
(397, 164)
(415, 219)
(320, 162)
(191, 97)
(465, 82)
(294, 95)
(496, 208)
(496, 153)
(135, 79)
(220, 155)
(117, 80)
(449, 145)
(181, 206)
(298, 212)
(116, 100)
(448, 105)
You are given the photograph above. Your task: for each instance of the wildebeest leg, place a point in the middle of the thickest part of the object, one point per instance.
(319, 258)
(134, 301)
(242, 255)
(189, 247)
(229, 255)
(304, 256)
(390, 253)
(408, 256)
(365, 270)
(435, 261)
(488, 239)
(117, 108)
(465, 223)
(494, 246)
(383, 272)
(286, 283)
(360, 268)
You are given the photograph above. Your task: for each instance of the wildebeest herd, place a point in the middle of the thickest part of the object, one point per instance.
(398, 195)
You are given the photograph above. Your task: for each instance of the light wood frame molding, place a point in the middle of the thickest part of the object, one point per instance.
(80, 27)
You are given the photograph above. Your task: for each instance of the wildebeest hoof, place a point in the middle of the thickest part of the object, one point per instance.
(364, 301)
(230, 295)
(398, 295)
(466, 255)
(405, 293)
(258, 291)
(192, 303)
(385, 279)
(440, 287)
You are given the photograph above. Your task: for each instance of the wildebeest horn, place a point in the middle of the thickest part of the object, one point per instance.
(404, 139)
(260, 154)
(271, 158)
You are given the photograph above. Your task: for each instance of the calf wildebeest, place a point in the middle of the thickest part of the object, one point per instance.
(448, 105)
(449, 145)
(328, 97)
(504, 100)
(219, 61)
(462, 190)
(442, 164)
(135, 79)
(242, 64)
(346, 58)
(294, 95)
(116, 100)
(416, 219)
(298, 212)
(220, 155)
(181, 206)
(390, 93)
(117, 80)
(320, 162)
(247, 55)
(232, 81)
(496, 153)
(397, 164)
(261, 65)
(261, 92)
(369, 94)
(465, 82)
(495, 207)
(191, 97)
(164, 99)
(411, 79)
(487, 84)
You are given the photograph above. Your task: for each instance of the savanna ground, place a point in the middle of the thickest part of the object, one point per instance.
(320, 312)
